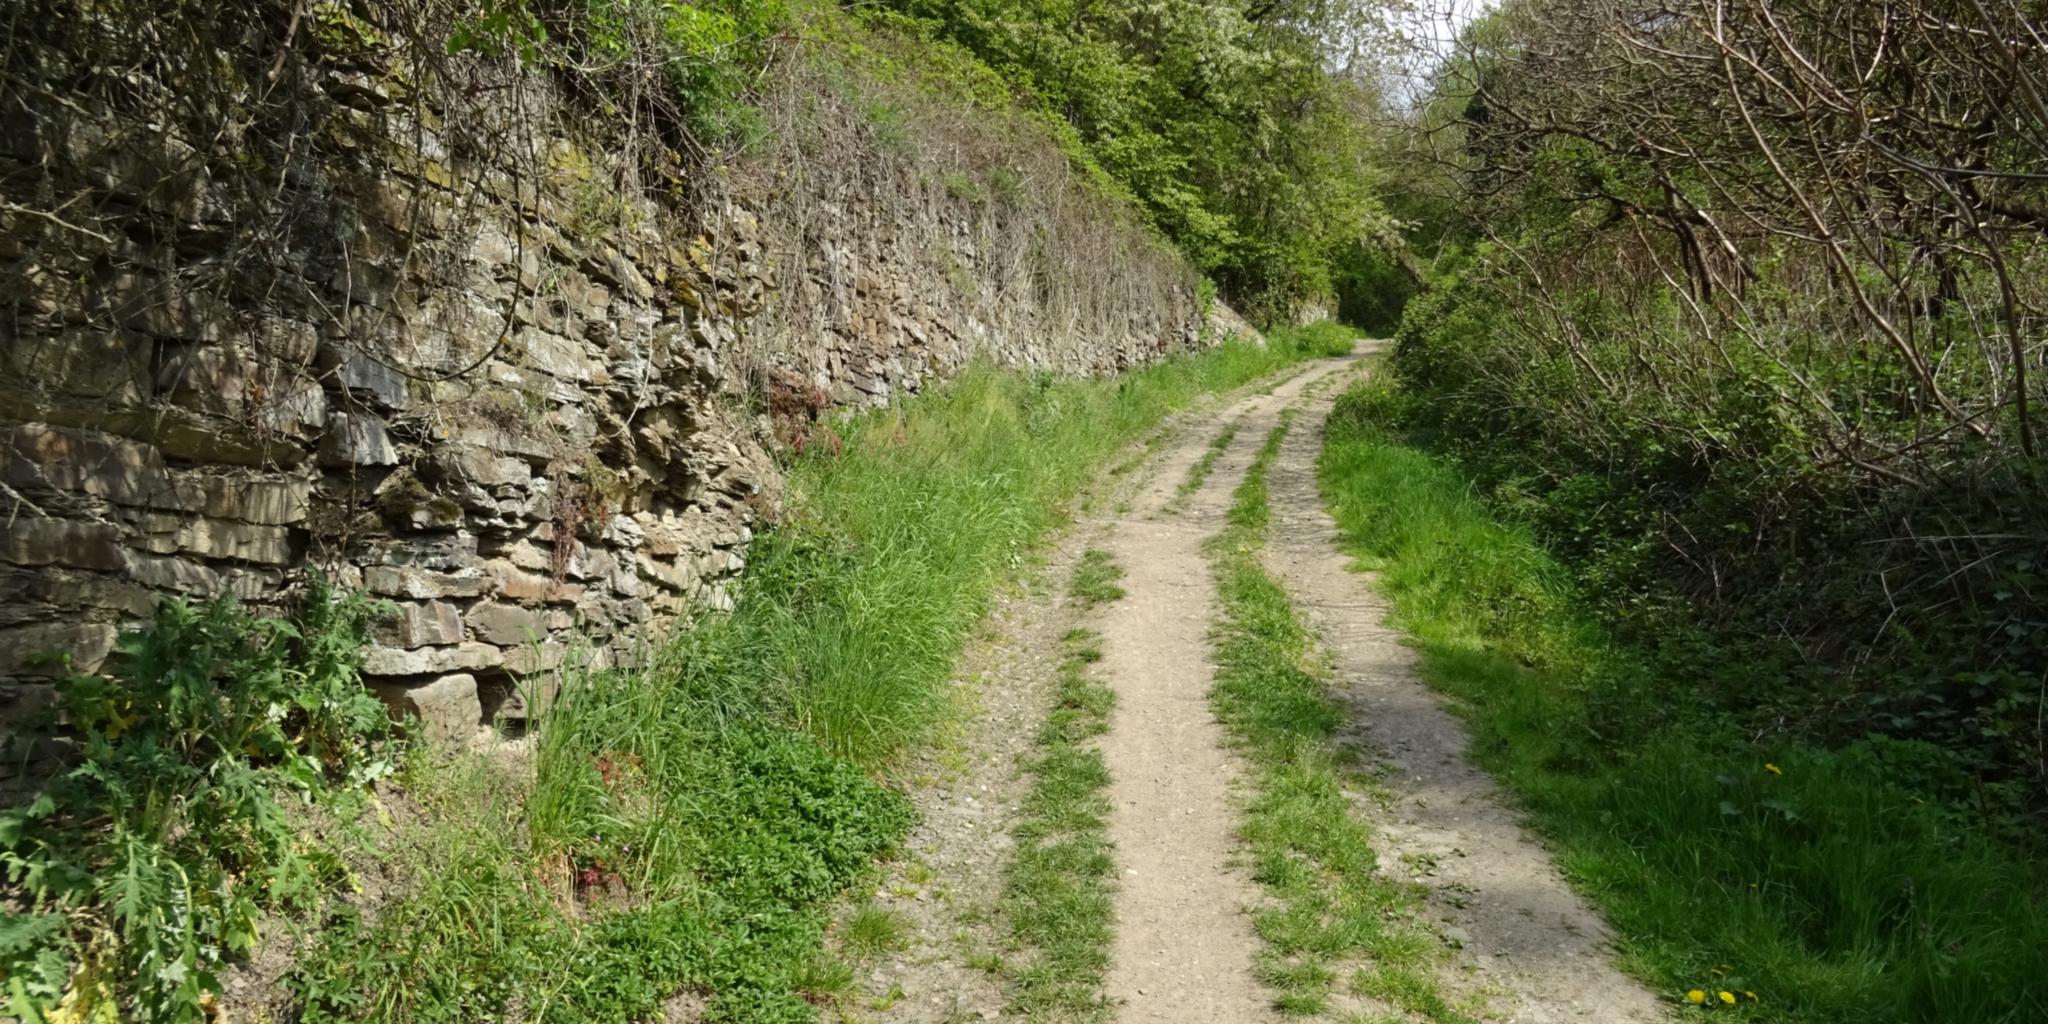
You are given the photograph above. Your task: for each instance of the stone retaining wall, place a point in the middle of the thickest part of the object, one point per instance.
(429, 344)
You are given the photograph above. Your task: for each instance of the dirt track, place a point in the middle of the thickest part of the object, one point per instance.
(1185, 947)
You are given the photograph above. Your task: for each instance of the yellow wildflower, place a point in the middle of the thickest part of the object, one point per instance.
(1695, 996)
(1751, 995)
(1773, 769)
(1728, 997)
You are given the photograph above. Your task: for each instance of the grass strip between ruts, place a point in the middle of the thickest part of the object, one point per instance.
(1332, 909)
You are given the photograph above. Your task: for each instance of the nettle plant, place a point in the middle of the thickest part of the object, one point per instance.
(151, 856)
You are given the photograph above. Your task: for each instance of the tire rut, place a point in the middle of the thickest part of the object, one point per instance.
(1184, 944)
(1525, 937)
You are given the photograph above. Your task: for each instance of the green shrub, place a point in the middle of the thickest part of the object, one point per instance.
(1710, 526)
(710, 52)
(1223, 125)
(149, 860)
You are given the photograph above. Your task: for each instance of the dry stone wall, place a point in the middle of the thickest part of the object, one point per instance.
(411, 322)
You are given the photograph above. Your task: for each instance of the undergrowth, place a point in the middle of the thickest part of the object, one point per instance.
(171, 830)
(1331, 907)
(698, 63)
(1803, 582)
(1809, 884)
(686, 824)
(1059, 887)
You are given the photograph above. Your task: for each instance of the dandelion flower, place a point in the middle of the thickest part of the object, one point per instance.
(1695, 996)
(1751, 995)
(1728, 997)
(1773, 769)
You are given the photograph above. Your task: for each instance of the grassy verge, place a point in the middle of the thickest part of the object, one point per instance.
(1806, 884)
(1057, 896)
(1332, 909)
(683, 826)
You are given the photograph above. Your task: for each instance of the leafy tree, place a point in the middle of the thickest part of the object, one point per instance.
(1244, 128)
(1739, 302)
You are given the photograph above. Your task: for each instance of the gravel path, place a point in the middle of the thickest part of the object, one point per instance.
(1185, 947)
(946, 887)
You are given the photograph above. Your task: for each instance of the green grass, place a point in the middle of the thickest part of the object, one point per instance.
(686, 825)
(871, 931)
(1817, 879)
(1058, 892)
(1331, 907)
(1199, 472)
(1095, 579)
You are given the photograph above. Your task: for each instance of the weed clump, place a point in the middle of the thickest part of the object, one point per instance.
(149, 859)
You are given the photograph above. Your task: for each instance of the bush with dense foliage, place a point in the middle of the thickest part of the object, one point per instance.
(150, 858)
(1745, 320)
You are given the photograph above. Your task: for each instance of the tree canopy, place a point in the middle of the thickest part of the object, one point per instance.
(1242, 127)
